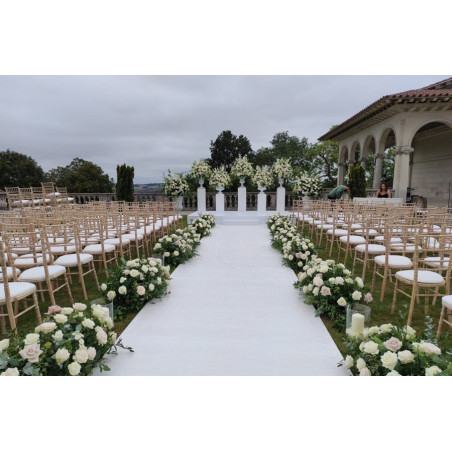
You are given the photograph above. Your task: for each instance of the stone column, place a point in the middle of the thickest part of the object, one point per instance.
(341, 173)
(202, 206)
(378, 170)
(241, 196)
(261, 200)
(401, 171)
(281, 197)
(363, 162)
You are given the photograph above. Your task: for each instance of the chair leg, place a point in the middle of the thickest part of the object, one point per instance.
(383, 285)
(394, 297)
(374, 277)
(68, 287)
(413, 297)
(38, 313)
(441, 319)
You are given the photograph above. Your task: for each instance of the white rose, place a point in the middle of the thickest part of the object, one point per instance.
(166, 254)
(315, 291)
(431, 371)
(88, 323)
(290, 257)
(370, 347)
(91, 353)
(122, 279)
(151, 287)
(323, 269)
(360, 364)
(101, 336)
(357, 295)
(67, 311)
(159, 280)
(318, 281)
(81, 355)
(103, 287)
(31, 338)
(339, 280)
(300, 264)
(359, 281)
(58, 336)
(389, 360)
(126, 272)
(77, 336)
(4, 344)
(365, 372)
(405, 356)
(157, 246)
(305, 289)
(62, 355)
(176, 253)
(134, 273)
(122, 290)
(46, 327)
(341, 302)
(11, 372)
(81, 306)
(111, 294)
(74, 368)
(113, 337)
(346, 272)
(349, 361)
(410, 333)
(386, 328)
(429, 348)
(60, 318)
(393, 373)
(141, 290)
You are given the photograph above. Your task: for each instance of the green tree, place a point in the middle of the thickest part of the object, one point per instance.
(81, 176)
(357, 181)
(227, 147)
(323, 158)
(124, 183)
(19, 170)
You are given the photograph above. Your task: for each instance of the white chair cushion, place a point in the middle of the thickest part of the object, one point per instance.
(27, 260)
(371, 249)
(337, 232)
(62, 249)
(124, 241)
(17, 290)
(353, 239)
(437, 262)
(70, 260)
(424, 276)
(381, 238)
(9, 273)
(364, 231)
(132, 236)
(97, 249)
(85, 240)
(394, 261)
(409, 247)
(447, 301)
(356, 226)
(145, 230)
(38, 274)
(325, 226)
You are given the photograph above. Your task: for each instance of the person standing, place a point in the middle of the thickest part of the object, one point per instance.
(383, 191)
(336, 193)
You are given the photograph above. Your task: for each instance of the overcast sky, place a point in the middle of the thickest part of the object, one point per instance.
(156, 123)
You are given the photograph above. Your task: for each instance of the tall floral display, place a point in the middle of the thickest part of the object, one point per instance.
(242, 168)
(175, 187)
(219, 179)
(201, 170)
(307, 186)
(282, 169)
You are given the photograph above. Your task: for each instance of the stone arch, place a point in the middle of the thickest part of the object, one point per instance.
(428, 124)
(352, 152)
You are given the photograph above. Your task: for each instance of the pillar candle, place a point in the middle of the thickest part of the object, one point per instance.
(357, 323)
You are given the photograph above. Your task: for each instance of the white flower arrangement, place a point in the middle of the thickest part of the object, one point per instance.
(306, 185)
(201, 169)
(282, 168)
(219, 178)
(242, 167)
(175, 185)
(263, 176)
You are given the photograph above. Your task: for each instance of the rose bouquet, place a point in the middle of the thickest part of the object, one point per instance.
(70, 341)
(134, 283)
(178, 247)
(263, 177)
(393, 351)
(175, 185)
(306, 185)
(282, 168)
(203, 224)
(242, 167)
(330, 287)
(298, 251)
(200, 169)
(219, 178)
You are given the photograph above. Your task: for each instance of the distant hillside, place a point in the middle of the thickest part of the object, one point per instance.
(147, 188)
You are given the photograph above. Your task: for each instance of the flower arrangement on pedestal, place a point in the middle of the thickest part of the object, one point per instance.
(306, 185)
(201, 170)
(393, 351)
(175, 185)
(282, 168)
(133, 283)
(242, 167)
(70, 341)
(219, 178)
(263, 177)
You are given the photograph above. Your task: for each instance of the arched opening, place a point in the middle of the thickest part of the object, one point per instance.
(384, 170)
(368, 159)
(431, 162)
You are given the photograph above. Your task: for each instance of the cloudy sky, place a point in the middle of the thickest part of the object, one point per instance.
(156, 123)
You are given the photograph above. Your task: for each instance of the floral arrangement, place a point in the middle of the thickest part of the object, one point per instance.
(203, 224)
(242, 167)
(200, 169)
(306, 185)
(175, 185)
(178, 247)
(330, 288)
(70, 341)
(219, 178)
(282, 168)
(298, 251)
(393, 351)
(133, 283)
(263, 177)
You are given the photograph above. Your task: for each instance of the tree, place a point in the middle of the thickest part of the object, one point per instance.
(124, 183)
(19, 170)
(357, 181)
(323, 158)
(81, 176)
(227, 147)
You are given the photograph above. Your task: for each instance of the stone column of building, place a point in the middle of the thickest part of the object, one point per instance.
(341, 173)
(402, 171)
(378, 170)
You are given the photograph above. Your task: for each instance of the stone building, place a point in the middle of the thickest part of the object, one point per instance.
(417, 125)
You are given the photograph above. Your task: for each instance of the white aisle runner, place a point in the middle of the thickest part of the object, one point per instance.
(232, 310)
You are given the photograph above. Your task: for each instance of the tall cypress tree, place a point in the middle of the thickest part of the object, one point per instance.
(357, 181)
(124, 183)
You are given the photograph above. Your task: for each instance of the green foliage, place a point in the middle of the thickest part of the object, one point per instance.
(81, 176)
(357, 181)
(227, 147)
(323, 158)
(19, 170)
(124, 183)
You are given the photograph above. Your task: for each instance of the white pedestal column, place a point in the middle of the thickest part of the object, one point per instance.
(219, 200)
(261, 200)
(202, 206)
(402, 171)
(281, 197)
(242, 199)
